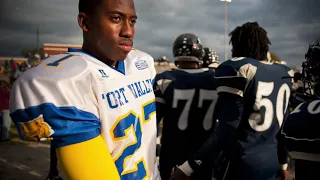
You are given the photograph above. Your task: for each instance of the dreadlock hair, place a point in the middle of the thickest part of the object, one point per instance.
(250, 40)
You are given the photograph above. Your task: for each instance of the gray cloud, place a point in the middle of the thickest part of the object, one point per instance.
(291, 24)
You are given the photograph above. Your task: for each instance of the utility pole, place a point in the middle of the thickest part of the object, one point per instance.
(226, 28)
(38, 43)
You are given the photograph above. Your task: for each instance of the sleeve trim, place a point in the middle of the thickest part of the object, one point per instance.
(230, 90)
(74, 139)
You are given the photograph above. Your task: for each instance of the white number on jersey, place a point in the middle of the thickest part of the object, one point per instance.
(313, 107)
(264, 90)
(188, 95)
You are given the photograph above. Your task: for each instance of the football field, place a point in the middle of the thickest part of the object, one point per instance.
(21, 160)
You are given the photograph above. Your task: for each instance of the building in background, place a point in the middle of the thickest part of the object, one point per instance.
(53, 49)
(162, 64)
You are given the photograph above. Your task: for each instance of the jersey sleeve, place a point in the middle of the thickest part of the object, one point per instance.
(234, 76)
(223, 137)
(55, 103)
(160, 86)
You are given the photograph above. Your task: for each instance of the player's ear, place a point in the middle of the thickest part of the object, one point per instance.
(83, 21)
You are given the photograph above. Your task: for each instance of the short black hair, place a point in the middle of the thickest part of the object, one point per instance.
(250, 40)
(88, 6)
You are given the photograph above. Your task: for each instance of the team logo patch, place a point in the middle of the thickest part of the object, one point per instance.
(141, 64)
(36, 130)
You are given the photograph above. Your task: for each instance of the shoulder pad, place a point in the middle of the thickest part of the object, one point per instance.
(137, 54)
(57, 67)
(238, 67)
(142, 61)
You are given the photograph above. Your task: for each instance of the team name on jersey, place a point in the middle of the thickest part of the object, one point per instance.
(118, 97)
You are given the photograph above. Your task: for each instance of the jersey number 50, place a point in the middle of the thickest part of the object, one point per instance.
(264, 91)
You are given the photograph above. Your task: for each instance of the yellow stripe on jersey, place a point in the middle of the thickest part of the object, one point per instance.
(58, 62)
(87, 160)
(148, 109)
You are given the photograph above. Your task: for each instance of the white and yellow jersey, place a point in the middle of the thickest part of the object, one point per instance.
(73, 97)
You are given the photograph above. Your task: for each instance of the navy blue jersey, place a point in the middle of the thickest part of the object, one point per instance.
(265, 95)
(253, 101)
(302, 131)
(185, 100)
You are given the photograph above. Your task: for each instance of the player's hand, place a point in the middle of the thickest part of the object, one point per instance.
(282, 175)
(177, 174)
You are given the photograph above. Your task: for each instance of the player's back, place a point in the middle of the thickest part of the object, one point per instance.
(265, 102)
(190, 97)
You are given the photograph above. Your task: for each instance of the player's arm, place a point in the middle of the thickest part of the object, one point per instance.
(50, 111)
(282, 150)
(229, 108)
(87, 160)
(282, 157)
(159, 87)
(222, 138)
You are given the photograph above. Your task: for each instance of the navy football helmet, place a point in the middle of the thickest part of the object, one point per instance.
(210, 59)
(188, 47)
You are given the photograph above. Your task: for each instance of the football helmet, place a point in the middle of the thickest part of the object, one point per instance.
(311, 68)
(188, 47)
(210, 59)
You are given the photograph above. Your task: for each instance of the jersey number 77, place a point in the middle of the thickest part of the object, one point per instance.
(188, 95)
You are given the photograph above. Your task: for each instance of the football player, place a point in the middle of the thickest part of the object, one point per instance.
(96, 105)
(185, 98)
(301, 128)
(210, 59)
(253, 101)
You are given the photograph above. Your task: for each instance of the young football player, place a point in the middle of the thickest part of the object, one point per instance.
(96, 105)
(301, 128)
(253, 101)
(185, 98)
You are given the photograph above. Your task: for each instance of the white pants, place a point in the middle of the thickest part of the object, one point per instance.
(5, 123)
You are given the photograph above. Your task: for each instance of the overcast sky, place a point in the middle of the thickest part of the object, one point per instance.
(291, 24)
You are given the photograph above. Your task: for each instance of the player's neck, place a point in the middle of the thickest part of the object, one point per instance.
(93, 52)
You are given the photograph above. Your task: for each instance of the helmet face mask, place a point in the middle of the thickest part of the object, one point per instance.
(311, 68)
(188, 47)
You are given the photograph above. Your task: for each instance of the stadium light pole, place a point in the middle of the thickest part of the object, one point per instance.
(226, 28)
